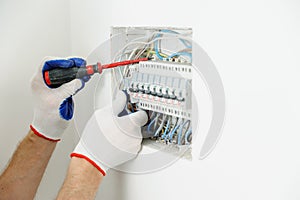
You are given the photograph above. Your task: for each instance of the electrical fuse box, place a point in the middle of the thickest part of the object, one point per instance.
(161, 86)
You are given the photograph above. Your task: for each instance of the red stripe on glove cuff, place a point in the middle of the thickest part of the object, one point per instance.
(42, 136)
(89, 160)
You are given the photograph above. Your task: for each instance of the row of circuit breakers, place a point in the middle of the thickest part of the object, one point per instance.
(164, 89)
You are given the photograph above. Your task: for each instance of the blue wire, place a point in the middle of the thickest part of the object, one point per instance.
(168, 135)
(179, 53)
(153, 120)
(168, 125)
(180, 132)
(156, 48)
(148, 128)
(173, 132)
(187, 135)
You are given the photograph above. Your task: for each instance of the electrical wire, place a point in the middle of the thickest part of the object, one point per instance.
(134, 41)
(149, 51)
(171, 134)
(162, 54)
(176, 54)
(152, 38)
(152, 115)
(152, 122)
(186, 130)
(156, 121)
(187, 134)
(119, 53)
(171, 129)
(180, 132)
(157, 53)
(166, 130)
(161, 126)
(130, 57)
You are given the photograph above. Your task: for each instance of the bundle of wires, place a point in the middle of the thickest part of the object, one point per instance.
(176, 54)
(160, 125)
(157, 124)
(149, 46)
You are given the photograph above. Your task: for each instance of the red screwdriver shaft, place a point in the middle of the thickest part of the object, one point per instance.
(122, 63)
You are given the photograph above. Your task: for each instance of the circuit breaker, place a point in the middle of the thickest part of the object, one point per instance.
(162, 86)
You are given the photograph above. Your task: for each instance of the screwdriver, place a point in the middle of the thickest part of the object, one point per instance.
(58, 76)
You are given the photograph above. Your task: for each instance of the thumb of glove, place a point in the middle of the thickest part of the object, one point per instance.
(132, 123)
(138, 118)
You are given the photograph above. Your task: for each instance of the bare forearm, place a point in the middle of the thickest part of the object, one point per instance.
(82, 181)
(22, 177)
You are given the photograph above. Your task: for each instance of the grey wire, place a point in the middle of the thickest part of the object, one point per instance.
(186, 130)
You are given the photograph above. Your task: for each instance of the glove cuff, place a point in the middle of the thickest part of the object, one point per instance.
(81, 151)
(36, 132)
(49, 125)
(100, 169)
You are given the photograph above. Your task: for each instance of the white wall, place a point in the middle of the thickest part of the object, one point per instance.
(255, 46)
(30, 30)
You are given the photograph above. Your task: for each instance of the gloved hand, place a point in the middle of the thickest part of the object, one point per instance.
(109, 140)
(54, 106)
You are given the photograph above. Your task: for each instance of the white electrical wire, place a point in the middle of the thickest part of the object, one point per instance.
(145, 43)
(161, 125)
(174, 35)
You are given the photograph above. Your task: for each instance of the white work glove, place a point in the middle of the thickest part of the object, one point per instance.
(53, 107)
(109, 140)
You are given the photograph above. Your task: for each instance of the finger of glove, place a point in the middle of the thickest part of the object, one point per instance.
(57, 63)
(52, 63)
(78, 62)
(119, 103)
(69, 89)
(38, 78)
(138, 119)
(45, 59)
